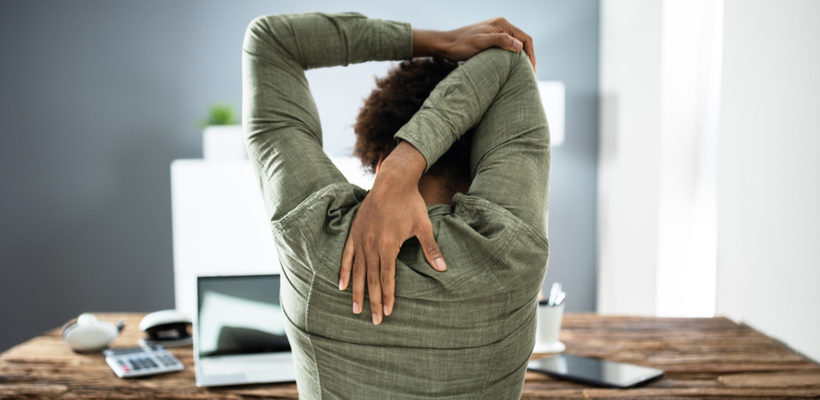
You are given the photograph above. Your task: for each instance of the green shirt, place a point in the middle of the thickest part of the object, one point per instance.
(467, 333)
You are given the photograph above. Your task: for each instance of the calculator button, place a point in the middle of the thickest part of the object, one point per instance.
(143, 361)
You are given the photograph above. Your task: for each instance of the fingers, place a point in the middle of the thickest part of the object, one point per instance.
(381, 284)
(374, 286)
(518, 34)
(388, 279)
(363, 272)
(504, 41)
(530, 52)
(430, 248)
(359, 272)
(528, 46)
(347, 264)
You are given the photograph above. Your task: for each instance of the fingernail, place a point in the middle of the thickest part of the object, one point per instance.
(356, 308)
(386, 311)
(375, 318)
(440, 265)
(517, 45)
(341, 284)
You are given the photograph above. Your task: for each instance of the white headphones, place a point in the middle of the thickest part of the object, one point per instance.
(86, 333)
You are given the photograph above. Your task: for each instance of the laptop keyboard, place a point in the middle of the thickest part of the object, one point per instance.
(227, 366)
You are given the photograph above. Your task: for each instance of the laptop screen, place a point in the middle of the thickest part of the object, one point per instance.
(239, 315)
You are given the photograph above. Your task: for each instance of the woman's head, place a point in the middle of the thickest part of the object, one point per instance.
(396, 98)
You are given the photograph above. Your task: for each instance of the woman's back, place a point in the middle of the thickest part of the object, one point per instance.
(467, 333)
(464, 333)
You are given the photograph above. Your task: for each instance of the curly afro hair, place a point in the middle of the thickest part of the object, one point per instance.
(390, 106)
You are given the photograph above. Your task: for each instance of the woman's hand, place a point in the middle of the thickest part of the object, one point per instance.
(392, 212)
(463, 43)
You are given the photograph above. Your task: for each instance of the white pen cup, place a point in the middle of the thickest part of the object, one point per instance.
(548, 327)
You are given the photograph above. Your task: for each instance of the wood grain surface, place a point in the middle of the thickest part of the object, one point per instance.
(703, 358)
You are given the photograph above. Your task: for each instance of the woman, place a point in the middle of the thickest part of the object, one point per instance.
(462, 330)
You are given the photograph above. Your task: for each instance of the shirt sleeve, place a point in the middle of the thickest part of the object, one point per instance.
(280, 119)
(496, 93)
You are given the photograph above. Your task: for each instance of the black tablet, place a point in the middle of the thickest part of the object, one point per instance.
(594, 371)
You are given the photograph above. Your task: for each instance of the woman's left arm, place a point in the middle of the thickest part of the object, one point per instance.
(280, 119)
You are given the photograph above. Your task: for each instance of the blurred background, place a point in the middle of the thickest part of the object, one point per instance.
(687, 183)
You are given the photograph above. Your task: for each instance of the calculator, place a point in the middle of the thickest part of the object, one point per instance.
(142, 361)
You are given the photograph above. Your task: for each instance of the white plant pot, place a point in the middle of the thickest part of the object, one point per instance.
(224, 143)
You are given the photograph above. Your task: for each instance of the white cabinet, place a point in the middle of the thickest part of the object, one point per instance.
(219, 222)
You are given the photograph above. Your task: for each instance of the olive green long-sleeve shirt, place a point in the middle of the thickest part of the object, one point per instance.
(466, 333)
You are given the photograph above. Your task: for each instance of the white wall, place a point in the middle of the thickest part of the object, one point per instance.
(687, 203)
(660, 64)
(709, 187)
(220, 226)
(769, 170)
(628, 161)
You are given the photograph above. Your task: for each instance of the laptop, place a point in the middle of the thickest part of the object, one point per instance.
(239, 332)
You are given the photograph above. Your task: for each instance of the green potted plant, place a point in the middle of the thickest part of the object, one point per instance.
(222, 136)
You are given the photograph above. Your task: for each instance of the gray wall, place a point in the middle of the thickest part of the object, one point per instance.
(98, 97)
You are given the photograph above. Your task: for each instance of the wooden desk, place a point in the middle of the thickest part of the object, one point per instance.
(704, 358)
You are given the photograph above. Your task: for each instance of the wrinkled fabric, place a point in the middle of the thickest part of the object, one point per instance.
(466, 333)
